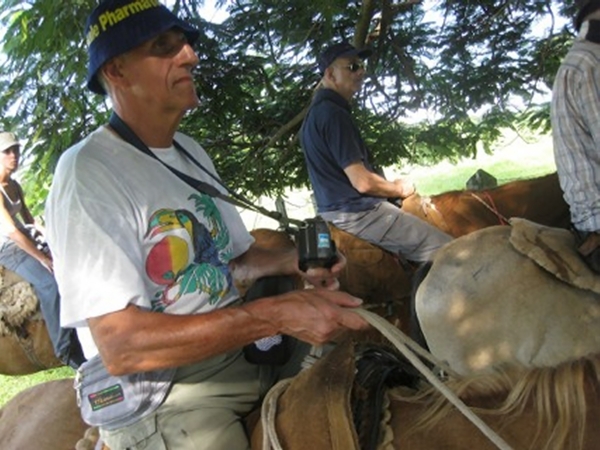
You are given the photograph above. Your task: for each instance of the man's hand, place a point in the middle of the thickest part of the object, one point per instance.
(322, 277)
(405, 187)
(315, 316)
(590, 250)
(591, 243)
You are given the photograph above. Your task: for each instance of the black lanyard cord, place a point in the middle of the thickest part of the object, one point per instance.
(127, 134)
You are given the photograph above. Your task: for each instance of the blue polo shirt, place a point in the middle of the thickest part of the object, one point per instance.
(331, 142)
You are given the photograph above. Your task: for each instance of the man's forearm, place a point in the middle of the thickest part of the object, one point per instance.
(129, 342)
(380, 187)
(259, 262)
(28, 246)
(369, 183)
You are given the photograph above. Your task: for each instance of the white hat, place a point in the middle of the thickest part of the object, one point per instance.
(7, 140)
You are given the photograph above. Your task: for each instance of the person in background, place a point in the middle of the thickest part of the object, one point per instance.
(20, 252)
(157, 292)
(349, 192)
(575, 118)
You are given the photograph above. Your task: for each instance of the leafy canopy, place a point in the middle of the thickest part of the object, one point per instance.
(445, 78)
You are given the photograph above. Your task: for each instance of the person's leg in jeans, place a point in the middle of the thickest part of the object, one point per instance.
(46, 290)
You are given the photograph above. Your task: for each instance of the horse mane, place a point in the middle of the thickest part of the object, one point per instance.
(558, 396)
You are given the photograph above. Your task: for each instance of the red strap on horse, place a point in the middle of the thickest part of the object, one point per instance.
(491, 206)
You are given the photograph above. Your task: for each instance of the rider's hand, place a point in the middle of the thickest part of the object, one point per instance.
(591, 243)
(315, 316)
(322, 277)
(405, 187)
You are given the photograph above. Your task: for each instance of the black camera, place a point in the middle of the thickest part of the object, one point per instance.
(315, 247)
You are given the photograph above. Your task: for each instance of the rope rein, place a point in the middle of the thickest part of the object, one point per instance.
(503, 220)
(268, 413)
(409, 349)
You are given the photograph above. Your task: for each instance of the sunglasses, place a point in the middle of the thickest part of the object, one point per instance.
(355, 66)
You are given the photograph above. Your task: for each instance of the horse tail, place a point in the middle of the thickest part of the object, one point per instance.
(415, 330)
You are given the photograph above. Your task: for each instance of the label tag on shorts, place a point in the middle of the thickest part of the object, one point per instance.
(106, 397)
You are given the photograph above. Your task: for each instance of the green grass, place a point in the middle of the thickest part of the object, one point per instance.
(514, 159)
(456, 178)
(12, 385)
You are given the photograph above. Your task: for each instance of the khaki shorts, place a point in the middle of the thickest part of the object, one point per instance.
(206, 405)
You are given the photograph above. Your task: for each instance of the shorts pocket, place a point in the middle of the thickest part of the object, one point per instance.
(143, 435)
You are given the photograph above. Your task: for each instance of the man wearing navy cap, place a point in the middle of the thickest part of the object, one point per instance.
(145, 260)
(348, 191)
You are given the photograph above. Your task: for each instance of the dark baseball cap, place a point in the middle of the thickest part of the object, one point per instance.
(118, 26)
(585, 7)
(341, 50)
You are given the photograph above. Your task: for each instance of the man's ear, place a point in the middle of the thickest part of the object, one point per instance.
(329, 75)
(111, 71)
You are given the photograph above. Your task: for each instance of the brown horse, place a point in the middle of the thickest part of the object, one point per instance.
(458, 213)
(381, 279)
(45, 416)
(551, 408)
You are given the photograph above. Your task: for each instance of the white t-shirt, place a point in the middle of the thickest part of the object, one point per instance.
(124, 230)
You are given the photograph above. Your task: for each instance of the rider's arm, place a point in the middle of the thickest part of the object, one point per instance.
(134, 340)
(367, 182)
(10, 229)
(260, 262)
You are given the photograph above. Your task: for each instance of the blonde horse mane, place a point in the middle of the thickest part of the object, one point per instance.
(556, 394)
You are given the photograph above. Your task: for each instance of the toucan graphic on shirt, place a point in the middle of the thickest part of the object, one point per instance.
(187, 257)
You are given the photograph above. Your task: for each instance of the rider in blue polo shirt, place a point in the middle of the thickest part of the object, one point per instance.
(349, 192)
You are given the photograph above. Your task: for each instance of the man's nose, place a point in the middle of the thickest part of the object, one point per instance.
(189, 55)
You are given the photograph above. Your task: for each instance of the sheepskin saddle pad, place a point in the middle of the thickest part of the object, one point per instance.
(554, 250)
(18, 302)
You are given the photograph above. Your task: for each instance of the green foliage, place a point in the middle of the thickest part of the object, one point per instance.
(466, 63)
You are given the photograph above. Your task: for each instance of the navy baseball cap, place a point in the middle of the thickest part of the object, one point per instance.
(341, 50)
(118, 26)
(585, 7)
